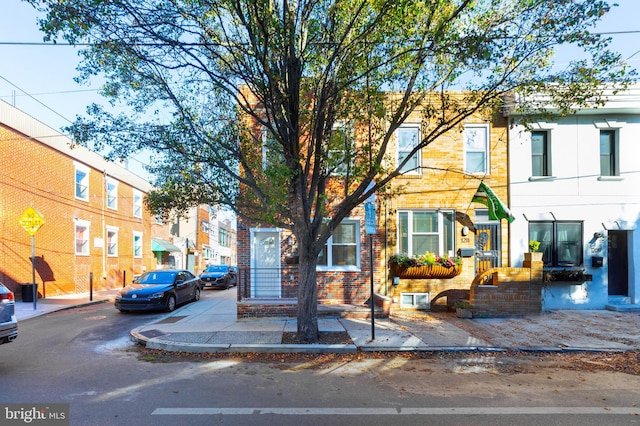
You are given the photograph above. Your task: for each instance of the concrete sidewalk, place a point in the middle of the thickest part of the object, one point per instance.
(210, 325)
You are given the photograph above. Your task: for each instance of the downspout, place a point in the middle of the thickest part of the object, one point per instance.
(104, 226)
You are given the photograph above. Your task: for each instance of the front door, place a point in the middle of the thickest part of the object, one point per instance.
(618, 263)
(265, 260)
(487, 246)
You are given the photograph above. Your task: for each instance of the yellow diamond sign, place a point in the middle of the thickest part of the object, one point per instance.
(31, 220)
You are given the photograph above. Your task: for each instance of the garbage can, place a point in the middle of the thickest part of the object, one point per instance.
(27, 292)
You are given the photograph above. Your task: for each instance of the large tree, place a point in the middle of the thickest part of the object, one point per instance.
(207, 83)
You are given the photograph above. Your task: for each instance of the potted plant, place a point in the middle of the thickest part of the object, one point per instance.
(464, 309)
(533, 255)
(428, 265)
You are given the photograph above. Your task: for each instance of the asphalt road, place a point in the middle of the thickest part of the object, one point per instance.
(84, 357)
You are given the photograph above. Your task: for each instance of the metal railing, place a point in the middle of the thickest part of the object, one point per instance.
(268, 283)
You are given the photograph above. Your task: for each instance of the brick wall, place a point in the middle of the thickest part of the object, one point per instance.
(508, 292)
(36, 174)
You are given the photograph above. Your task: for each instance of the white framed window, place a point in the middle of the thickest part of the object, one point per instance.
(112, 194)
(341, 150)
(476, 148)
(420, 231)
(82, 237)
(408, 137)
(137, 244)
(342, 250)
(81, 182)
(137, 203)
(415, 300)
(112, 241)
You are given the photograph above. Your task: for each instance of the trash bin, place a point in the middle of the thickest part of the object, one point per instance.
(27, 292)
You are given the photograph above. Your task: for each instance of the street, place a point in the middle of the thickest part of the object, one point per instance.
(84, 357)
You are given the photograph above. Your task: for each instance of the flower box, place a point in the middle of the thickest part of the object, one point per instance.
(427, 271)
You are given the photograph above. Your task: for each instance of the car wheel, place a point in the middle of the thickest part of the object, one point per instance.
(196, 294)
(171, 303)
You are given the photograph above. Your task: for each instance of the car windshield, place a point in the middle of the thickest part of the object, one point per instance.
(217, 268)
(157, 277)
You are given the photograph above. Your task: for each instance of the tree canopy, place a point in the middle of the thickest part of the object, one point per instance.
(204, 80)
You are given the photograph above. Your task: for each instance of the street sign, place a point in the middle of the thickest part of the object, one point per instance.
(370, 218)
(31, 220)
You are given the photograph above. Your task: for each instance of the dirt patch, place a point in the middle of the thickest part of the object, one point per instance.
(326, 338)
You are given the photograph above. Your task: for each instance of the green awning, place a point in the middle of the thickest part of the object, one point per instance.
(158, 244)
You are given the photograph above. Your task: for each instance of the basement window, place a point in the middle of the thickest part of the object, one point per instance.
(414, 300)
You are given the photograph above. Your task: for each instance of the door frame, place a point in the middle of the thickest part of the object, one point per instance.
(277, 267)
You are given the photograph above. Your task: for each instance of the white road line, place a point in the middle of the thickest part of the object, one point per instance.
(409, 411)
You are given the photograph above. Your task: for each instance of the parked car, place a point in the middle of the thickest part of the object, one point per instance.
(220, 276)
(159, 290)
(8, 321)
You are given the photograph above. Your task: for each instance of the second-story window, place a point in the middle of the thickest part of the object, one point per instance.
(408, 137)
(223, 238)
(137, 203)
(271, 150)
(476, 149)
(540, 153)
(82, 182)
(340, 153)
(112, 194)
(609, 153)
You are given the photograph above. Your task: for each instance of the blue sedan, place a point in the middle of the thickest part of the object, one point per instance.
(159, 290)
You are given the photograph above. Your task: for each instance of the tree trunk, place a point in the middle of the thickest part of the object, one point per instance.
(307, 299)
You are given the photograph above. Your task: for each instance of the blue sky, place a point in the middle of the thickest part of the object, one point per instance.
(47, 72)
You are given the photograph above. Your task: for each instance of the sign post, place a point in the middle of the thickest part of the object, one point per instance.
(31, 220)
(370, 227)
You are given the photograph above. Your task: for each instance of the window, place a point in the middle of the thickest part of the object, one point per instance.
(560, 242)
(341, 149)
(204, 226)
(408, 138)
(540, 154)
(271, 150)
(608, 153)
(112, 194)
(223, 238)
(82, 237)
(476, 149)
(426, 230)
(343, 247)
(137, 244)
(82, 182)
(112, 241)
(137, 203)
(414, 300)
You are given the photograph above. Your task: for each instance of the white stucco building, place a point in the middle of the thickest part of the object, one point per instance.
(575, 187)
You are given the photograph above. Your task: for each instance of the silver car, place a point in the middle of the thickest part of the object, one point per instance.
(8, 321)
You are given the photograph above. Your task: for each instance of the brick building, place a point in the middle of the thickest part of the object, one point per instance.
(428, 208)
(95, 223)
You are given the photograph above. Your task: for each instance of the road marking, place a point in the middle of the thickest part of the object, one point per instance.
(408, 411)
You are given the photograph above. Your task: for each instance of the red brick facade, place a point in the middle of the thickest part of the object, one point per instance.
(39, 169)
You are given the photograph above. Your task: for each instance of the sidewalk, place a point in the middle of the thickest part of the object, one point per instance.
(210, 325)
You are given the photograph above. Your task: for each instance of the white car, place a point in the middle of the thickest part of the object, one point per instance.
(8, 321)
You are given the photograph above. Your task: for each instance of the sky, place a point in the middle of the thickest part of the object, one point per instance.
(39, 80)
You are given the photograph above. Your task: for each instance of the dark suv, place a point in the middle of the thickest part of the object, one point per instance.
(220, 276)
